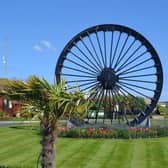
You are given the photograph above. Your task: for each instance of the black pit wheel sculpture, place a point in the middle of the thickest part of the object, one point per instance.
(118, 66)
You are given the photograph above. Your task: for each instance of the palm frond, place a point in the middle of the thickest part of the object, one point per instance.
(53, 100)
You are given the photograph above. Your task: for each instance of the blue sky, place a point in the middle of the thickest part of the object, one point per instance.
(33, 32)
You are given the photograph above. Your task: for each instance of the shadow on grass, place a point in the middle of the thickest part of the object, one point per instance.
(33, 128)
(26, 127)
(2, 166)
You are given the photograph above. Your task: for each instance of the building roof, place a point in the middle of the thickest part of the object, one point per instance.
(163, 102)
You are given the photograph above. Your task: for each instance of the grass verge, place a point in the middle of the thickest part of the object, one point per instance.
(19, 148)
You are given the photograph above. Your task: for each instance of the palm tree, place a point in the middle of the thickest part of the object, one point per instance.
(51, 102)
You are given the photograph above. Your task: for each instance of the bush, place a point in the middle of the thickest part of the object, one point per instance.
(162, 132)
(101, 132)
(73, 133)
(123, 134)
(2, 114)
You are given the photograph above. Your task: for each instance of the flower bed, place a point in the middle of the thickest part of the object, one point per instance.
(132, 132)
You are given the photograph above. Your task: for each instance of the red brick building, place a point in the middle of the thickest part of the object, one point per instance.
(10, 107)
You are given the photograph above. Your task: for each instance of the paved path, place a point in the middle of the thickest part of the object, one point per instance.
(10, 123)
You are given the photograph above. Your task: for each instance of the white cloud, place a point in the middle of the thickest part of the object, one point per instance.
(38, 48)
(44, 45)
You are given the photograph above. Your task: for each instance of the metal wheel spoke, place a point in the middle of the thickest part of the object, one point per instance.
(105, 54)
(122, 90)
(89, 87)
(78, 70)
(133, 61)
(111, 103)
(86, 68)
(128, 49)
(97, 95)
(95, 89)
(105, 105)
(134, 80)
(137, 86)
(115, 51)
(137, 70)
(101, 52)
(120, 54)
(93, 47)
(137, 76)
(95, 99)
(78, 81)
(84, 84)
(125, 62)
(118, 97)
(126, 98)
(145, 61)
(82, 76)
(98, 64)
(83, 61)
(116, 104)
(125, 91)
(111, 48)
(90, 61)
(101, 95)
(130, 88)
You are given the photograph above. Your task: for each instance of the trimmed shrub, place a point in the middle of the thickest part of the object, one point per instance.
(131, 133)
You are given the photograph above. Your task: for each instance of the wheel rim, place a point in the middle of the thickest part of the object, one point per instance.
(114, 62)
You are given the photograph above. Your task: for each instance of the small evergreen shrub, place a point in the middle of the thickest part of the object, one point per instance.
(131, 133)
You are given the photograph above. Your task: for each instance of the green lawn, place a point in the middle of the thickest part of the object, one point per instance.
(20, 148)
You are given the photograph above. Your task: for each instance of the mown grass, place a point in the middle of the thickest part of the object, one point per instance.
(19, 148)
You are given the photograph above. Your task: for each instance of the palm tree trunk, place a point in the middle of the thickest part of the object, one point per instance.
(48, 148)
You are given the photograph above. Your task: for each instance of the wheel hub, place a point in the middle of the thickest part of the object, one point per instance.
(107, 78)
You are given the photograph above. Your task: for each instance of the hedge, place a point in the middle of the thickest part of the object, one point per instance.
(102, 132)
